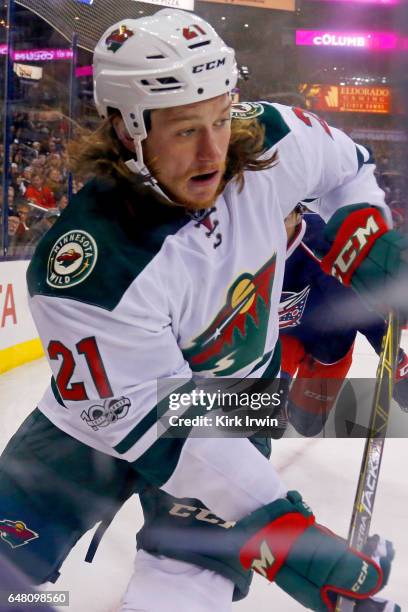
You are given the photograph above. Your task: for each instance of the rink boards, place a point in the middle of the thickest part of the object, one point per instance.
(19, 342)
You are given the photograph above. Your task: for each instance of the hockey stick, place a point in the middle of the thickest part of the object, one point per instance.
(374, 446)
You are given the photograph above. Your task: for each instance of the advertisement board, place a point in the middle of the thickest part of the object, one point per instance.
(378, 2)
(347, 98)
(349, 40)
(18, 336)
(283, 5)
(38, 55)
(24, 71)
(186, 5)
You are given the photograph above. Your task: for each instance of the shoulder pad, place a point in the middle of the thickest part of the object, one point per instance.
(267, 115)
(97, 248)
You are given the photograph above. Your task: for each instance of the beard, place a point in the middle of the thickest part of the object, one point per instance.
(179, 197)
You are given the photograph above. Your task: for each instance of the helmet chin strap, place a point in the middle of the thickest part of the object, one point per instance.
(137, 166)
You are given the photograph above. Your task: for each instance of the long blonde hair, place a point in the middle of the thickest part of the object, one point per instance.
(101, 153)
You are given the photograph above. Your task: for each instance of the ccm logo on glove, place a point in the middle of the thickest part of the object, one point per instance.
(362, 578)
(353, 241)
(350, 251)
(265, 562)
(283, 543)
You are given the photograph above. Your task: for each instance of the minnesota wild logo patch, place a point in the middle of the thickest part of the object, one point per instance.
(16, 533)
(71, 260)
(118, 37)
(246, 110)
(237, 335)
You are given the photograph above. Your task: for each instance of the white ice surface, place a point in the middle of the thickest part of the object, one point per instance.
(324, 470)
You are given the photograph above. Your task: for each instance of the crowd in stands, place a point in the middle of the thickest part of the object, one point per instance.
(392, 166)
(38, 189)
(391, 156)
(38, 182)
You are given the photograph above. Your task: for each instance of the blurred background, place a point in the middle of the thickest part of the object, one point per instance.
(346, 60)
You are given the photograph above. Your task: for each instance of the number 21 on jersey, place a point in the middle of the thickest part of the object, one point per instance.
(87, 349)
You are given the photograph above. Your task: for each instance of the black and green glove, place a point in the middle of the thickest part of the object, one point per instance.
(367, 255)
(306, 560)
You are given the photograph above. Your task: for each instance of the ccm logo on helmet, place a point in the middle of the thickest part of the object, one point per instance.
(209, 65)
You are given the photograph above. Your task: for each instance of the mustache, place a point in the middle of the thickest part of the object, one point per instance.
(208, 169)
(154, 167)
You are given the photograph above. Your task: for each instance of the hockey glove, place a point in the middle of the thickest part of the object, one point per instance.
(364, 253)
(306, 560)
(382, 552)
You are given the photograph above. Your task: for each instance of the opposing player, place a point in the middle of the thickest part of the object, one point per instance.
(169, 265)
(319, 321)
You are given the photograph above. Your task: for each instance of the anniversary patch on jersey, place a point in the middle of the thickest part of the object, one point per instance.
(237, 335)
(16, 533)
(246, 110)
(291, 307)
(111, 411)
(71, 260)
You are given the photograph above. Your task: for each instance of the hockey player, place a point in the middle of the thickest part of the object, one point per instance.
(319, 321)
(169, 264)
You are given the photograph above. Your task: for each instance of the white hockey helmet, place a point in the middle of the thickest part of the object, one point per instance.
(165, 60)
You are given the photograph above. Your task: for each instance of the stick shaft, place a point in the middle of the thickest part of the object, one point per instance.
(373, 450)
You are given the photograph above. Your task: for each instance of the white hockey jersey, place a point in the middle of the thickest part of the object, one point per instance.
(124, 296)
